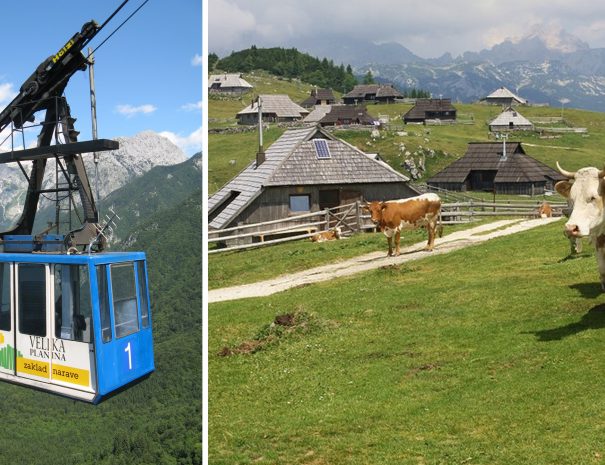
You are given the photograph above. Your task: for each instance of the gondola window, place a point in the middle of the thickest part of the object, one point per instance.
(104, 303)
(73, 312)
(32, 299)
(125, 312)
(143, 294)
(5, 297)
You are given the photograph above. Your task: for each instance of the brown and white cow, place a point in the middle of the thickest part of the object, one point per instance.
(585, 193)
(394, 216)
(545, 210)
(332, 234)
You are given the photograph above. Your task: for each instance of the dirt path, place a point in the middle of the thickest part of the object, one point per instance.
(375, 260)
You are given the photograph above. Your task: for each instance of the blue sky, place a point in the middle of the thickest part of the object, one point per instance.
(148, 76)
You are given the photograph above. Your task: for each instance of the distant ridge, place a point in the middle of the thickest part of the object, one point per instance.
(544, 66)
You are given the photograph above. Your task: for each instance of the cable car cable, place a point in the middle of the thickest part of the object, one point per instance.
(113, 14)
(66, 77)
(118, 28)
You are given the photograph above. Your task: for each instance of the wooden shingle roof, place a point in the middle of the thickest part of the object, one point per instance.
(379, 90)
(278, 104)
(504, 93)
(346, 165)
(511, 118)
(488, 156)
(228, 81)
(317, 113)
(293, 160)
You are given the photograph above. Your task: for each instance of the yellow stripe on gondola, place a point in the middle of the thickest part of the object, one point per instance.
(32, 367)
(71, 375)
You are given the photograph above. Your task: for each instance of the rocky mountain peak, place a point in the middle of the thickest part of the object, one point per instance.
(553, 38)
(136, 156)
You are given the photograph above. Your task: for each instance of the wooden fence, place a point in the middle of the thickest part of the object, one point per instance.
(348, 218)
(351, 218)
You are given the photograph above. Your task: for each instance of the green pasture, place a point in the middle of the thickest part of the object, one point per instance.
(492, 354)
(229, 154)
(222, 110)
(245, 266)
(448, 142)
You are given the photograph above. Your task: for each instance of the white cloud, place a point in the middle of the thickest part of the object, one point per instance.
(190, 144)
(192, 106)
(196, 60)
(7, 93)
(428, 29)
(130, 111)
(227, 23)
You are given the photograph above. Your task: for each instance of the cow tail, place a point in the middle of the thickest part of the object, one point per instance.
(439, 224)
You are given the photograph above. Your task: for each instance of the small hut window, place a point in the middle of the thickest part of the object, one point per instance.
(300, 203)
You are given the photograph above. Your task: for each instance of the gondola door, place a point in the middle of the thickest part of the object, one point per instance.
(32, 299)
(72, 336)
(53, 327)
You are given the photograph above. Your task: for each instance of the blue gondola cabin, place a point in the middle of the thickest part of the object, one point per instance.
(75, 325)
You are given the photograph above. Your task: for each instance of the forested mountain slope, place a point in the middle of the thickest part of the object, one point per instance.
(158, 421)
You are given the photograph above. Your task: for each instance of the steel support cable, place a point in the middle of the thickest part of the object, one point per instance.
(107, 38)
(117, 28)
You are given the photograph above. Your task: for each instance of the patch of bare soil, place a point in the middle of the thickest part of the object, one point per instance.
(283, 326)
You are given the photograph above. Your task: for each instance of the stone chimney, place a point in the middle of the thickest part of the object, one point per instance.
(260, 157)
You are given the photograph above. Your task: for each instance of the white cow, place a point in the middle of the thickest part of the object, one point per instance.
(585, 191)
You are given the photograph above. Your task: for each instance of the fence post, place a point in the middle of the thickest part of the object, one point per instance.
(327, 213)
(358, 215)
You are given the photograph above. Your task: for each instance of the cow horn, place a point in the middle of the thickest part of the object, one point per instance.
(567, 174)
(602, 173)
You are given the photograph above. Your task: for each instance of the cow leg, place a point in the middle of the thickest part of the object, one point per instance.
(601, 259)
(397, 239)
(390, 241)
(576, 245)
(430, 227)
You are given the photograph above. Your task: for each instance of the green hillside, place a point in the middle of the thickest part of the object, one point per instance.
(290, 63)
(222, 110)
(159, 421)
(447, 142)
(161, 188)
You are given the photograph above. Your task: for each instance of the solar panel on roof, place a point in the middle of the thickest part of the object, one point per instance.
(321, 148)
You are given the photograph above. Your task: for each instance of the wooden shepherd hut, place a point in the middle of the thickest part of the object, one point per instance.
(510, 120)
(319, 97)
(346, 115)
(305, 170)
(431, 109)
(375, 93)
(501, 167)
(276, 108)
(230, 84)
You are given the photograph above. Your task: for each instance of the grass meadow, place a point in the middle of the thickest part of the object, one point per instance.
(492, 354)
(242, 267)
